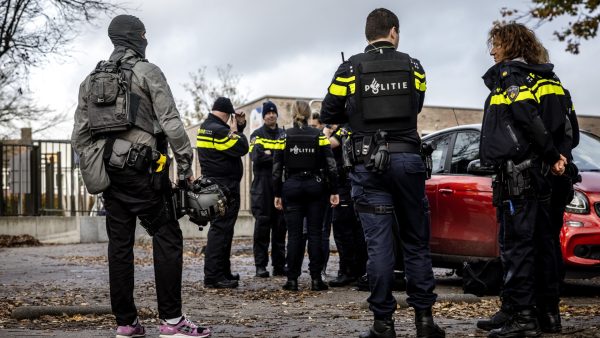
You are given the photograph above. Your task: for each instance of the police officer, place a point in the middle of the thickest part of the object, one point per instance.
(299, 180)
(152, 117)
(264, 141)
(381, 92)
(523, 131)
(221, 144)
(347, 230)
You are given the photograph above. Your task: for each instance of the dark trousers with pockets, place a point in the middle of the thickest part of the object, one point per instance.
(402, 187)
(217, 263)
(129, 196)
(349, 237)
(304, 197)
(269, 225)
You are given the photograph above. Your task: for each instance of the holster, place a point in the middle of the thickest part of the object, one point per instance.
(517, 178)
(426, 151)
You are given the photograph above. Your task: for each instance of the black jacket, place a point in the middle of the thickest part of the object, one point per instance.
(264, 142)
(220, 150)
(527, 109)
(325, 161)
(340, 101)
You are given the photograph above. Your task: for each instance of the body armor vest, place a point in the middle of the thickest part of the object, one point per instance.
(116, 104)
(301, 147)
(386, 98)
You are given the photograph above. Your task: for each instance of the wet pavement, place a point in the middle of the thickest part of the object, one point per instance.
(77, 275)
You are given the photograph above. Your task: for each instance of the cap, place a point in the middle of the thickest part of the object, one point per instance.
(224, 105)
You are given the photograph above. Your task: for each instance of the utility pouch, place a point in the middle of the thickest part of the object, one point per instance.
(140, 157)
(497, 188)
(91, 164)
(119, 153)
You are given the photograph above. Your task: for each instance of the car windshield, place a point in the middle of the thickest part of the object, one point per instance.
(587, 154)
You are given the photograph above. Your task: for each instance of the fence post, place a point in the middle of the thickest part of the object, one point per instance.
(2, 205)
(36, 179)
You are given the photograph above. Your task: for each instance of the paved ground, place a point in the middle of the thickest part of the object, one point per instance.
(57, 275)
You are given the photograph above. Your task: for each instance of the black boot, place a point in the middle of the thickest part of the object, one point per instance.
(318, 285)
(341, 280)
(497, 320)
(426, 328)
(522, 324)
(291, 285)
(363, 283)
(262, 272)
(549, 319)
(382, 328)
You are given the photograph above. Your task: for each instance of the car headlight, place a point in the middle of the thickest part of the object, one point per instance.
(579, 204)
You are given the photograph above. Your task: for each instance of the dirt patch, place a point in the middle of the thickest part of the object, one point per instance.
(7, 241)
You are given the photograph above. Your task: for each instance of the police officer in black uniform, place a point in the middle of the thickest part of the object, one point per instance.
(299, 175)
(347, 230)
(221, 144)
(523, 135)
(380, 92)
(264, 142)
(135, 117)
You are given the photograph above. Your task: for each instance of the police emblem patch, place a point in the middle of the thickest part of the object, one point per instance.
(512, 92)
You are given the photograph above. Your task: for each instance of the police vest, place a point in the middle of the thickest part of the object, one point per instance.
(116, 104)
(301, 150)
(386, 98)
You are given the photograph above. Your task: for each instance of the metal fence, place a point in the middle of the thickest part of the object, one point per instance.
(42, 178)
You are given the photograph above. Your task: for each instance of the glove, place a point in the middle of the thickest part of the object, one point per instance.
(381, 159)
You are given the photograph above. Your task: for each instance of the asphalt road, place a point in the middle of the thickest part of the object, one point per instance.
(77, 275)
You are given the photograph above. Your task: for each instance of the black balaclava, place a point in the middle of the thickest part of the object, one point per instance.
(127, 30)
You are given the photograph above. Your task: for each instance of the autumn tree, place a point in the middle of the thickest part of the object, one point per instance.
(583, 19)
(204, 92)
(31, 31)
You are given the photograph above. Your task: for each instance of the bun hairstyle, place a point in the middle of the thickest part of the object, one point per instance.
(300, 113)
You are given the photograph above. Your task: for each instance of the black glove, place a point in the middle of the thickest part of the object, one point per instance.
(381, 159)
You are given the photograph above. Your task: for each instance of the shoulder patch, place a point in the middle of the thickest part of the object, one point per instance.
(512, 92)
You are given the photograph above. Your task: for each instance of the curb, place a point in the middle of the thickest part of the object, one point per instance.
(32, 312)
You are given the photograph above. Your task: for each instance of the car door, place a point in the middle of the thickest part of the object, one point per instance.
(466, 220)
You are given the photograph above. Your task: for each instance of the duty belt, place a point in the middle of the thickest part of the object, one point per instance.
(398, 147)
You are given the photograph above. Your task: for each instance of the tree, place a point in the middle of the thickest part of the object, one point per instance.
(30, 32)
(584, 14)
(205, 92)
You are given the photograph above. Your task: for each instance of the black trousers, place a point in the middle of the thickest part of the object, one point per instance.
(402, 188)
(130, 195)
(349, 237)
(269, 225)
(217, 263)
(304, 197)
(528, 250)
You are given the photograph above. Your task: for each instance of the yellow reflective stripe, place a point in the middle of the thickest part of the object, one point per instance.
(502, 99)
(337, 90)
(549, 89)
(421, 86)
(218, 144)
(345, 79)
(419, 75)
(499, 99)
(352, 88)
(270, 144)
(525, 95)
(324, 141)
(542, 82)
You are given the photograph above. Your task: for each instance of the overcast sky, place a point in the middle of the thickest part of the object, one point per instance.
(292, 48)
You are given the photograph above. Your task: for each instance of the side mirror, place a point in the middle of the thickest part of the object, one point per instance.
(475, 168)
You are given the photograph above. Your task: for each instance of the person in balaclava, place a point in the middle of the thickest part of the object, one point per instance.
(135, 191)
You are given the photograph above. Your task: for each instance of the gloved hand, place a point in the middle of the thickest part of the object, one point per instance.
(381, 159)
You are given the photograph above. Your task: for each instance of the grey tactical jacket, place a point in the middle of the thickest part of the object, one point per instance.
(150, 80)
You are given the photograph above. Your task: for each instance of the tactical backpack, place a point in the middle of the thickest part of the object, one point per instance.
(112, 107)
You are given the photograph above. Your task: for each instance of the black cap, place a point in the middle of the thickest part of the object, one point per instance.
(268, 106)
(224, 105)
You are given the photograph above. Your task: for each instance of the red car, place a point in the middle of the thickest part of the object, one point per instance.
(463, 220)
